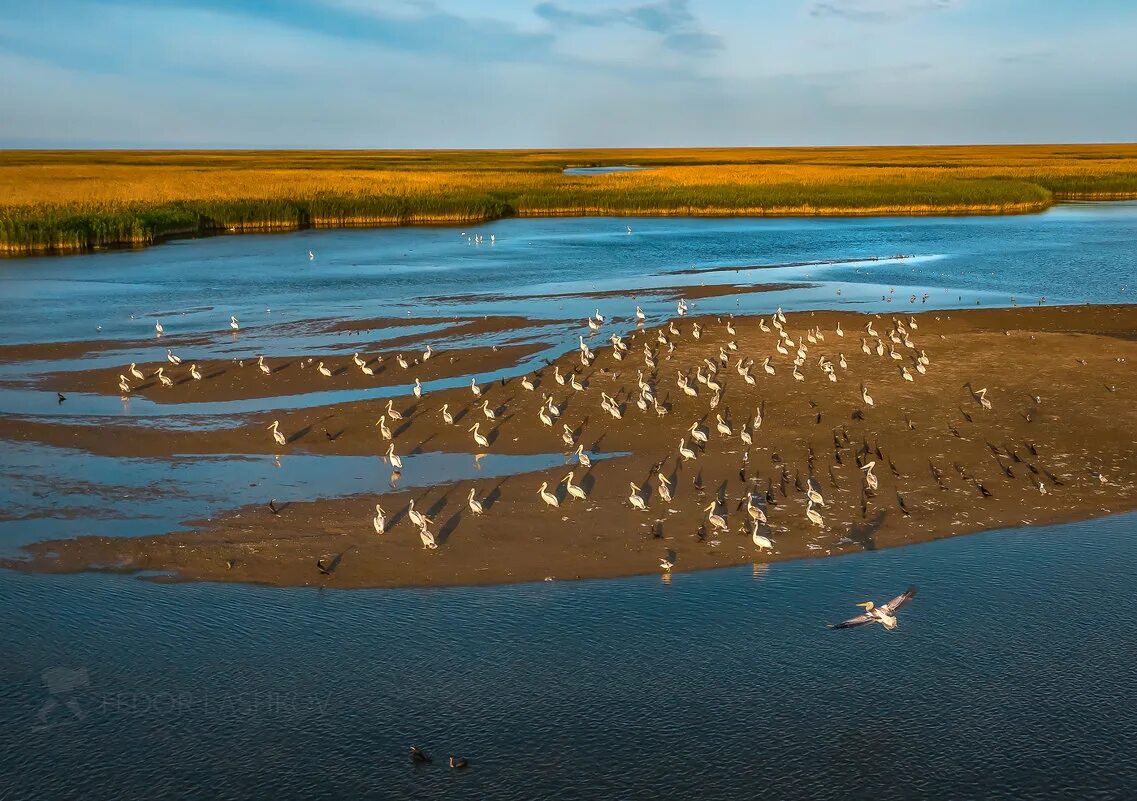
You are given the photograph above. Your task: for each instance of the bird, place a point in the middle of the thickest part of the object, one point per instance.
(640, 316)
(158, 328)
(273, 507)
(446, 416)
(475, 388)
(163, 379)
(664, 488)
(866, 397)
(474, 504)
(574, 490)
(582, 457)
(383, 430)
(322, 567)
(233, 322)
(870, 477)
(981, 395)
(123, 384)
(685, 452)
(324, 371)
(416, 517)
(697, 434)
(479, 438)
(716, 520)
(417, 390)
(380, 520)
(195, 374)
(172, 359)
(394, 415)
(396, 462)
(635, 499)
(487, 411)
(460, 763)
(813, 515)
(274, 428)
(264, 368)
(761, 541)
(527, 383)
(885, 614)
(547, 497)
(60, 397)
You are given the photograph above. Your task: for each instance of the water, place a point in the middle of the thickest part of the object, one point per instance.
(599, 170)
(1011, 675)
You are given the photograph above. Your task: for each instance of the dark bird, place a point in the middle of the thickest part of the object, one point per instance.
(935, 471)
(837, 456)
(1052, 477)
(1007, 471)
(1033, 450)
(60, 396)
(420, 757)
(955, 431)
(458, 763)
(892, 467)
(273, 507)
(797, 482)
(903, 507)
(322, 567)
(819, 416)
(770, 499)
(858, 414)
(983, 490)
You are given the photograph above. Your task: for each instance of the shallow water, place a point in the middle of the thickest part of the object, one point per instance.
(724, 684)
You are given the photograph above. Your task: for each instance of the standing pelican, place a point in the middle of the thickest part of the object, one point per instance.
(172, 359)
(723, 426)
(394, 415)
(417, 517)
(418, 388)
(123, 383)
(715, 519)
(164, 379)
(134, 371)
(158, 328)
(427, 538)
(396, 462)
(547, 497)
(487, 411)
(275, 429)
(769, 368)
(233, 322)
(698, 434)
(480, 439)
(383, 430)
(885, 614)
(446, 416)
(685, 452)
(640, 316)
(475, 388)
(380, 520)
(635, 499)
(760, 540)
(474, 504)
(574, 490)
(527, 383)
(664, 488)
(264, 368)
(195, 374)
(813, 515)
(582, 457)
(870, 476)
(981, 395)
(324, 371)
(865, 396)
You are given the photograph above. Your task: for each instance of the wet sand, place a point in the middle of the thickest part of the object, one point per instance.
(944, 464)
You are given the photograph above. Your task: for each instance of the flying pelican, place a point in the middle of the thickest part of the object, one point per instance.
(275, 429)
(263, 367)
(665, 565)
(685, 452)
(480, 439)
(635, 499)
(664, 488)
(865, 396)
(172, 359)
(870, 476)
(475, 505)
(394, 415)
(716, 520)
(547, 497)
(324, 371)
(446, 416)
(195, 374)
(396, 462)
(134, 371)
(885, 614)
(164, 379)
(574, 490)
(582, 457)
(158, 328)
(698, 434)
(380, 520)
(813, 515)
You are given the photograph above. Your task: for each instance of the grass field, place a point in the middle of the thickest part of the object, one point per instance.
(60, 201)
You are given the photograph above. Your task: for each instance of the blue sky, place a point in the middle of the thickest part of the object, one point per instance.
(564, 73)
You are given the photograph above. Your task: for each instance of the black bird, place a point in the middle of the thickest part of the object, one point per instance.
(983, 490)
(323, 568)
(775, 457)
(420, 757)
(1032, 448)
(273, 507)
(61, 396)
(797, 482)
(903, 508)
(864, 503)
(770, 499)
(701, 534)
(837, 456)
(955, 431)
(961, 470)
(819, 418)
(879, 453)
(858, 414)
(892, 467)
(1007, 471)
(458, 763)
(1032, 469)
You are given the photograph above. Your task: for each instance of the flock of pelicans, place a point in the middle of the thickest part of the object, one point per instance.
(896, 343)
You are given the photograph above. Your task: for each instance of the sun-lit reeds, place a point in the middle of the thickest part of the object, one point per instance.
(75, 200)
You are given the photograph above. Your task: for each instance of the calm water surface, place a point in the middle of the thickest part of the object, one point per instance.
(1011, 675)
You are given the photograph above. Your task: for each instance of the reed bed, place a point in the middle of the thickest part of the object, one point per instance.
(62, 201)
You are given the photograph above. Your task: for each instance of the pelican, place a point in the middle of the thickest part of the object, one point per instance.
(475, 388)
(813, 495)
(879, 348)
(665, 565)
(134, 371)
(685, 452)
(575, 384)
(560, 379)
(813, 515)
(552, 407)
(396, 462)
(383, 430)
(640, 316)
(981, 395)
(755, 512)
(865, 396)
(123, 383)
(635, 499)
(263, 367)
(527, 383)
(479, 438)
(164, 379)
(907, 376)
(912, 323)
(870, 477)
(730, 328)
(869, 330)
(582, 457)
(757, 423)
(426, 354)
(797, 375)
(894, 355)
(696, 332)
(765, 329)
(311, 255)
(716, 520)
(599, 317)
(840, 332)
(417, 390)
(324, 371)
(841, 361)
(780, 315)
(417, 517)
(761, 541)
(487, 411)
(543, 416)
(698, 434)
(368, 371)
(172, 359)
(446, 416)
(744, 435)
(547, 497)
(769, 368)
(574, 490)
(158, 328)
(275, 429)
(885, 614)
(233, 322)
(475, 505)
(593, 325)
(865, 349)
(664, 488)
(427, 538)
(722, 426)
(391, 411)
(380, 520)
(780, 348)
(195, 374)
(402, 362)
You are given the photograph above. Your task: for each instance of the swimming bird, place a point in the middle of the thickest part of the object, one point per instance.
(635, 499)
(324, 371)
(233, 322)
(380, 520)
(574, 490)
(885, 614)
(460, 763)
(479, 438)
(275, 429)
(311, 255)
(474, 504)
(158, 328)
(547, 497)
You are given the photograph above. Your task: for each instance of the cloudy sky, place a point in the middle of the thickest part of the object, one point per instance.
(564, 73)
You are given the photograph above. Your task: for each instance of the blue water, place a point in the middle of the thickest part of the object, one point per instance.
(1011, 675)
(599, 170)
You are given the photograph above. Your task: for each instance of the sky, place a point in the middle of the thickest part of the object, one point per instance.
(564, 73)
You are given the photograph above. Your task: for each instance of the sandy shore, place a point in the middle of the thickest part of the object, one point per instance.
(1056, 444)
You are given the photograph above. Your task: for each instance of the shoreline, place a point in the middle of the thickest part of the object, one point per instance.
(945, 464)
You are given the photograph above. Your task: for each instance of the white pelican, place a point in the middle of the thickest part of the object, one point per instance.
(894, 355)
(730, 328)
(664, 488)
(981, 394)
(311, 255)
(797, 375)
(195, 374)
(665, 565)
(582, 457)
(487, 411)
(368, 371)
(865, 396)
(427, 538)
(865, 349)
(780, 315)
(869, 330)
(264, 368)
(755, 512)
(324, 371)
(769, 368)
(426, 354)
(635, 499)
(547, 497)
(870, 476)
(840, 333)
(417, 390)
(527, 383)
(599, 317)
(474, 504)
(813, 515)
(841, 361)
(698, 434)
(275, 429)
(560, 379)
(123, 384)
(696, 332)
(685, 452)
(380, 520)
(394, 415)
(716, 520)
(417, 517)
(358, 361)
(134, 371)
(383, 430)
(761, 541)
(912, 323)
(158, 328)
(713, 386)
(780, 348)
(575, 384)
(164, 379)
(396, 462)
(479, 438)
(552, 407)
(593, 325)
(640, 314)
(172, 359)
(885, 614)
(402, 362)
(812, 493)
(446, 416)
(744, 435)
(907, 376)
(757, 419)
(765, 329)
(233, 322)
(722, 426)
(574, 490)
(543, 416)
